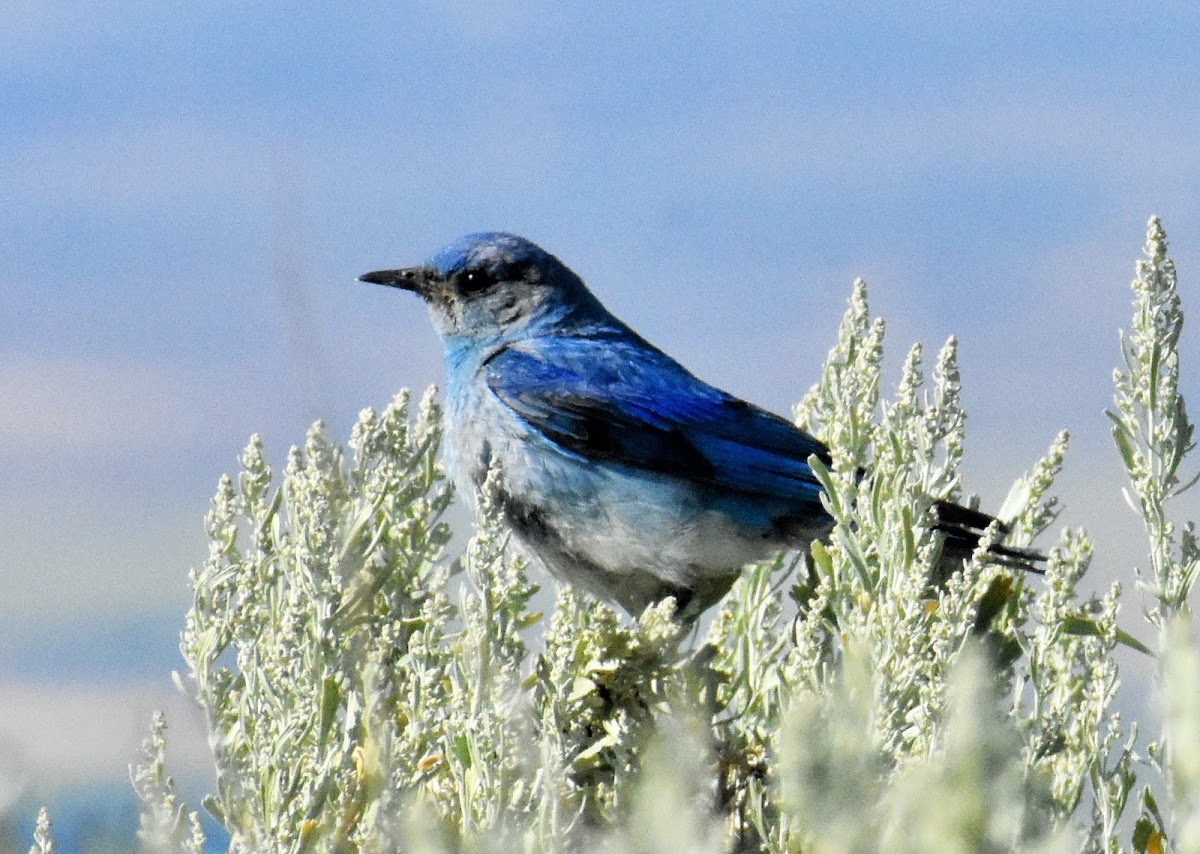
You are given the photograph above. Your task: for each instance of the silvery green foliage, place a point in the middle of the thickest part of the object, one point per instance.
(1181, 694)
(874, 598)
(971, 795)
(43, 842)
(597, 691)
(367, 693)
(315, 611)
(1153, 433)
(1152, 429)
(166, 826)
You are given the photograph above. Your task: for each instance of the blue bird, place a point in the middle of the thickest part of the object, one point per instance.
(624, 474)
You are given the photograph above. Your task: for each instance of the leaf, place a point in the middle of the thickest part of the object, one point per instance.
(1150, 803)
(992, 602)
(1123, 441)
(210, 803)
(331, 696)
(524, 621)
(580, 688)
(1126, 639)
(822, 561)
(461, 748)
(1081, 626)
(1142, 832)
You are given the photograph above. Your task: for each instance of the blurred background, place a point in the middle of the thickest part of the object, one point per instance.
(188, 191)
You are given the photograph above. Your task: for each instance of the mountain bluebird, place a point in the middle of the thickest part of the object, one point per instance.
(626, 475)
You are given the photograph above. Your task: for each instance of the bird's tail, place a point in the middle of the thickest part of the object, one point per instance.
(963, 528)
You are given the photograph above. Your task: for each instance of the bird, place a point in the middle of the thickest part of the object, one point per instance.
(626, 476)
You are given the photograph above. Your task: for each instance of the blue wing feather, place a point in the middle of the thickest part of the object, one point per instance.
(621, 401)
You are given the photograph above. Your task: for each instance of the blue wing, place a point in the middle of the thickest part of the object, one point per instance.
(609, 398)
(612, 398)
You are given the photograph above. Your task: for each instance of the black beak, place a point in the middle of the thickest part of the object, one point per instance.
(414, 279)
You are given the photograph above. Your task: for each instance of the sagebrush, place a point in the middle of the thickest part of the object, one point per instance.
(366, 691)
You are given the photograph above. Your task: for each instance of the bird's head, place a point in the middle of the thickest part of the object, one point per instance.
(493, 287)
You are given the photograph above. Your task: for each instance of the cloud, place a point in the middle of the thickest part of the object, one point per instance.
(50, 34)
(168, 162)
(495, 21)
(70, 404)
(94, 552)
(983, 125)
(30, 31)
(56, 735)
(91, 519)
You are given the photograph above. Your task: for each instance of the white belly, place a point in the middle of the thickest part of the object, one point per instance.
(623, 534)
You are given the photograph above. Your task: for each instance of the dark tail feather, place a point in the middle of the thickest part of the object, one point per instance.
(963, 529)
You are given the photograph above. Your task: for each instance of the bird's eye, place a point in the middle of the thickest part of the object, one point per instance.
(474, 281)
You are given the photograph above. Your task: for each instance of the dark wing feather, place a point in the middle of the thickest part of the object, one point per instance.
(615, 402)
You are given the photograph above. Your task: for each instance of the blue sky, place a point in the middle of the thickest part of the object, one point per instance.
(189, 191)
